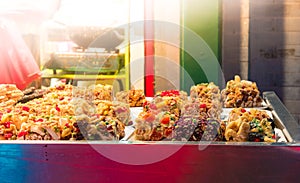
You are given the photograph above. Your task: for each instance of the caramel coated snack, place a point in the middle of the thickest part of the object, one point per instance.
(63, 112)
(253, 125)
(116, 109)
(206, 98)
(9, 95)
(158, 117)
(193, 128)
(154, 125)
(133, 97)
(102, 92)
(241, 93)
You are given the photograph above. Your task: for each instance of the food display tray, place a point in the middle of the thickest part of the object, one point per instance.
(162, 161)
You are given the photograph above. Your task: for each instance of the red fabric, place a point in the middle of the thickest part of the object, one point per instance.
(149, 49)
(18, 65)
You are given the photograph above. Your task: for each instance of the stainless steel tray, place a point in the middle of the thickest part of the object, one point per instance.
(135, 161)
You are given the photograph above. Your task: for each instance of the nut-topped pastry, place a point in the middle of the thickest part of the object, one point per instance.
(102, 92)
(9, 95)
(200, 117)
(154, 125)
(61, 115)
(253, 125)
(241, 93)
(168, 100)
(133, 97)
(189, 128)
(116, 109)
(158, 117)
(31, 93)
(206, 99)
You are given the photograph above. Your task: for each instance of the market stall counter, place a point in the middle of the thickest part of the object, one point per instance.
(163, 161)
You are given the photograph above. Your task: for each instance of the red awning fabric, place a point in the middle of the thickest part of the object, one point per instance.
(17, 64)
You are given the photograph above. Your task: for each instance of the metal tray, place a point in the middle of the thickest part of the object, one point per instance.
(135, 161)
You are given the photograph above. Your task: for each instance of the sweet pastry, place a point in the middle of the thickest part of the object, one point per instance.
(241, 93)
(169, 100)
(102, 92)
(93, 92)
(9, 95)
(200, 117)
(154, 126)
(39, 131)
(133, 97)
(182, 95)
(8, 131)
(31, 93)
(197, 129)
(159, 115)
(101, 128)
(206, 101)
(253, 125)
(59, 115)
(116, 109)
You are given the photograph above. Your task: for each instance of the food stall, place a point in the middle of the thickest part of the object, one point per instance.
(109, 155)
(68, 132)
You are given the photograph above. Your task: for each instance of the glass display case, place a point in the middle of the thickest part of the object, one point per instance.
(85, 47)
(84, 53)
